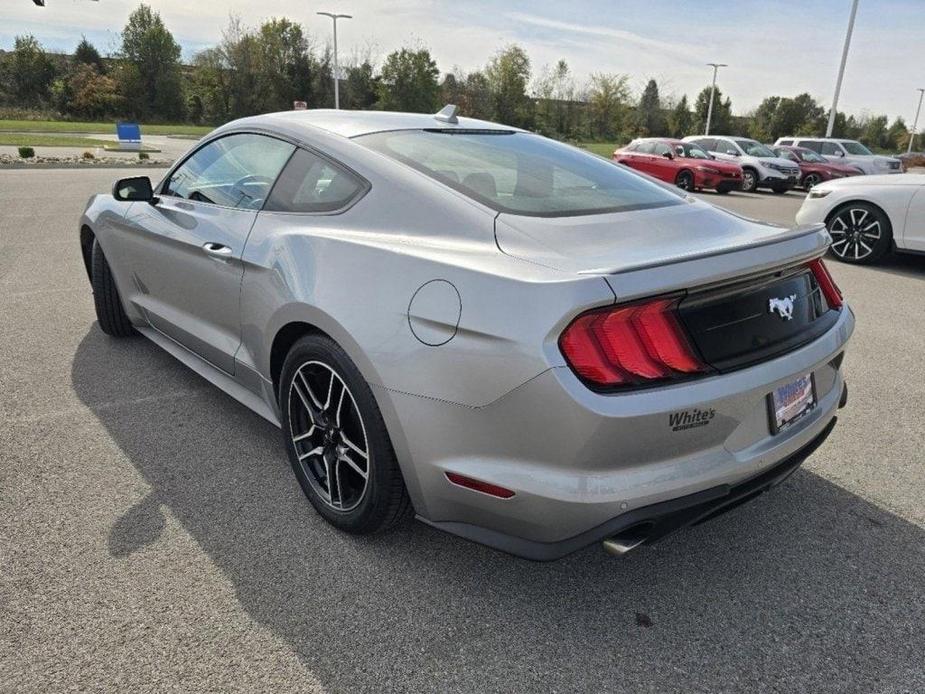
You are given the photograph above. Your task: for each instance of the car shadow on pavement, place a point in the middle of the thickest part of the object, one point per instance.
(903, 264)
(808, 588)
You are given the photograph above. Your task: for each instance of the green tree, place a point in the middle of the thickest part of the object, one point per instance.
(91, 95)
(898, 135)
(285, 66)
(361, 88)
(681, 120)
(150, 74)
(87, 54)
(608, 95)
(508, 73)
(31, 72)
(875, 132)
(780, 116)
(649, 119)
(721, 123)
(409, 82)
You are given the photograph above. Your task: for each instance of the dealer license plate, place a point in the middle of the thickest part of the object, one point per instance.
(790, 402)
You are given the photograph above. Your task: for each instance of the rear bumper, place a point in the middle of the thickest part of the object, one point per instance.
(652, 522)
(580, 463)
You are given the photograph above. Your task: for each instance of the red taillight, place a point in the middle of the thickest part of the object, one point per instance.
(830, 290)
(630, 345)
(479, 486)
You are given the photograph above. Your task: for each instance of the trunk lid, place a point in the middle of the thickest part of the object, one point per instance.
(620, 242)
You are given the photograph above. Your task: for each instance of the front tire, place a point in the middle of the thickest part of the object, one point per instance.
(749, 180)
(685, 181)
(336, 439)
(861, 233)
(106, 300)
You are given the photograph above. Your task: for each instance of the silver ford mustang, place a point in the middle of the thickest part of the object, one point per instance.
(516, 341)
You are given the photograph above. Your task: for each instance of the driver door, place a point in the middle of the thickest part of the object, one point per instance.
(185, 250)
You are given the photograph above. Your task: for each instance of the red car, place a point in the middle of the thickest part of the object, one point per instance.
(682, 163)
(813, 168)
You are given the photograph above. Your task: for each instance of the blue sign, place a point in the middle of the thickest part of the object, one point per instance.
(128, 132)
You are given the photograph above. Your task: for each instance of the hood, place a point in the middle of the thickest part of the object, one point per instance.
(780, 161)
(620, 241)
(832, 166)
(906, 179)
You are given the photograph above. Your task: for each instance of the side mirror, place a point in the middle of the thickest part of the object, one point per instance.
(134, 189)
(668, 155)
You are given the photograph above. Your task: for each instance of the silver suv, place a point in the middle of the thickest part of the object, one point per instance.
(761, 168)
(850, 152)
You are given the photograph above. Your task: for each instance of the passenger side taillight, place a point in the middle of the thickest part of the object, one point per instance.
(830, 290)
(630, 345)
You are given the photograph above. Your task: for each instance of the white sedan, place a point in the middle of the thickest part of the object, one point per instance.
(869, 216)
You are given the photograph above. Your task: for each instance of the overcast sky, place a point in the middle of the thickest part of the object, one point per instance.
(772, 46)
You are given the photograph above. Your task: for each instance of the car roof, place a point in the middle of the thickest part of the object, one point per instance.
(354, 123)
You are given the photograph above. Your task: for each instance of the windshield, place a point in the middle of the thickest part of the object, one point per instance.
(852, 147)
(754, 149)
(785, 154)
(521, 173)
(810, 155)
(691, 151)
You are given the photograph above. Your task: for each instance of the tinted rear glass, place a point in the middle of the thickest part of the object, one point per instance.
(521, 173)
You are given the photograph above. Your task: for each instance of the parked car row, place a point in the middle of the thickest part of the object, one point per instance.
(725, 163)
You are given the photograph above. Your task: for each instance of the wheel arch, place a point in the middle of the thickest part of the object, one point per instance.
(87, 237)
(310, 323)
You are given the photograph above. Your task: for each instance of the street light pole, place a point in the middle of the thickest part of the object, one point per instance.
(915, 122)
(716, 67)
(841, 70)
(335, 17)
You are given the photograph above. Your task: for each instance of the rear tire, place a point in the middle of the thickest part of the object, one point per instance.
(106, 300)
(337, 441)
(861, 233)
(811, 180)
(749, 180)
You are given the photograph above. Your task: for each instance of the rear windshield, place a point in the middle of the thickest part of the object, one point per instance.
(520, 173)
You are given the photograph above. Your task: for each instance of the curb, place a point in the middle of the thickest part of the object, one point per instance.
(75, 165)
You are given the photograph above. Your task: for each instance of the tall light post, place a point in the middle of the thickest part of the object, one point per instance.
(915, 122)
(335, 17)
(841, 69)
(716, 67)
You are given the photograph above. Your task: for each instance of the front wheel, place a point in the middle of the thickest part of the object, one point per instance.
(106, 300)
(749, 180)
(337, 441)
(861, 233)
(685, 181)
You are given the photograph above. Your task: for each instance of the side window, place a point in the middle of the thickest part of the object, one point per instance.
(310, 183)
(814, 145)
(707, 143)
(785, 142)
(233, 171)
(661, 149)
(726, 147)
(831, 148)
(646, 148)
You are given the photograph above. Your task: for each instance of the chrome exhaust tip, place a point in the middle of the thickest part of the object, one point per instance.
(626, 541)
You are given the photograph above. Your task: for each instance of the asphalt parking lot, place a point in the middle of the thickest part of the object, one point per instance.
(152, 537)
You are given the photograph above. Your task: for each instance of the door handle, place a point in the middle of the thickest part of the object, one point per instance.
(218, 250)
